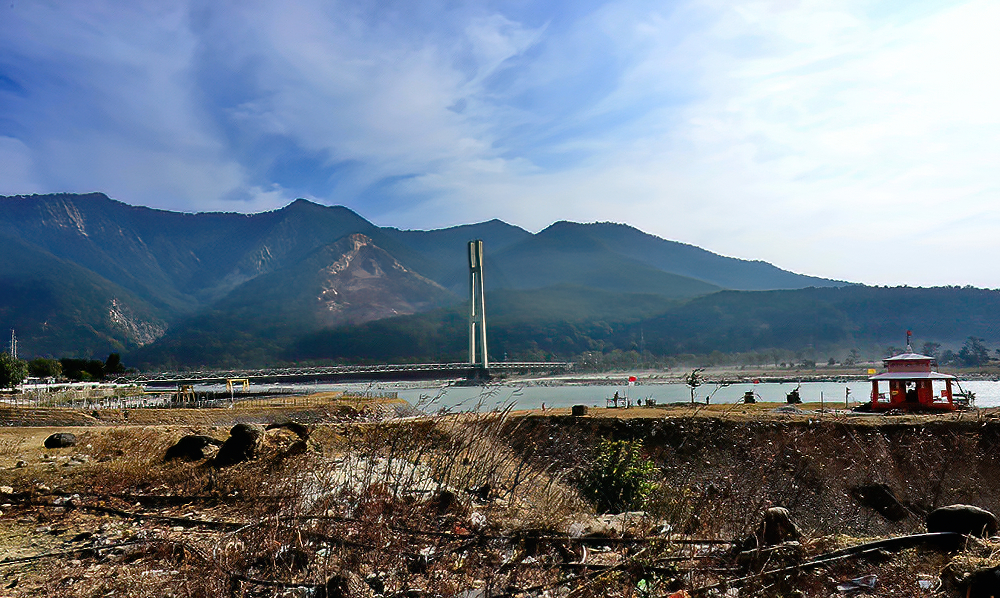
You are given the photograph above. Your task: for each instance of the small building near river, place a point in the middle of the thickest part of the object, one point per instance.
(911, 384)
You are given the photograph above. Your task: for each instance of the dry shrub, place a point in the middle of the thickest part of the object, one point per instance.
(11, 447)
(126, 458)
(468, 453)
(133, 443)
(386, 500)
(479, 457)
(155, 570)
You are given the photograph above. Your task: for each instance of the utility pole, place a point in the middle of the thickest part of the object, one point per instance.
(13, 344)
(642, 348)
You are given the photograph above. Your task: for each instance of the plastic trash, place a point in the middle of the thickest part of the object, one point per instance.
(929, 583)
(858, 584)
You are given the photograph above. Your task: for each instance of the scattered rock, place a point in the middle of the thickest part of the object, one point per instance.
(21, 463)
(579, 410)
(347, 585)
(191, 447)
(285, 440)
(300, 430)
(336, 587)
(6, 490)
(242, 445)
(962, 519)
(777, 527)
(984, 583)
(480, 493)
(880, 499)
(60, 440)
(376, 583)
(443, 502)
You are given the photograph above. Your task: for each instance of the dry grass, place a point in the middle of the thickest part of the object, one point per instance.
(461, 501)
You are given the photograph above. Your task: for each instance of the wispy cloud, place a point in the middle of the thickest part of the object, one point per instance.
(827, 137)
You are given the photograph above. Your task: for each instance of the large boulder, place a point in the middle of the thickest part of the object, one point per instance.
(60, 440)
(963, 519)
(983, 583)
(191, 447)
(242, 445)
(287, 439)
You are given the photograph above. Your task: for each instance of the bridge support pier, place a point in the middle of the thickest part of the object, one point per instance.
(477, 309)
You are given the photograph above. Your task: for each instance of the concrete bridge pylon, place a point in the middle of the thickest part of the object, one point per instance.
(477, 308)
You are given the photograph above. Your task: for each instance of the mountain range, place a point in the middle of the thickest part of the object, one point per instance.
(84, 275)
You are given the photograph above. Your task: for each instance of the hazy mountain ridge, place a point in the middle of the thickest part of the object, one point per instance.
(688, 260)
(190, 276)
(816, 322)
(558, 255)
(351, 281)
(59, 308)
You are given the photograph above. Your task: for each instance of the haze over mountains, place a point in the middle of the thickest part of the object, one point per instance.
(83, 275)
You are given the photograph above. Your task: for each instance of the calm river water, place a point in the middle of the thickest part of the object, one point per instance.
(532, 397)
(434, 398)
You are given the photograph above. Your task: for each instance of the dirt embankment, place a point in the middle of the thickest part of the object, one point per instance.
(312, 412)
(453, 504)
(861, 477)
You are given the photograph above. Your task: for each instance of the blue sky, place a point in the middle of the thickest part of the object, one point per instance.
(848, 139)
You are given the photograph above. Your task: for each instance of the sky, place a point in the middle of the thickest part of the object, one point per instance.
(847, 139)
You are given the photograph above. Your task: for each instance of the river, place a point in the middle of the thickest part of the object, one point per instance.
(532, 397)
(433, 398)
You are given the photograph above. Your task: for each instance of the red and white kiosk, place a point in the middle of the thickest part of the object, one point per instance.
(910, 384)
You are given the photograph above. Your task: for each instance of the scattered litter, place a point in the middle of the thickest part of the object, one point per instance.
(67, 500)
(929, 583)
(858, 584)
(576, 529)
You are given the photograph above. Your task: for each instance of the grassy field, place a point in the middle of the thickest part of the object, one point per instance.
(498, 504)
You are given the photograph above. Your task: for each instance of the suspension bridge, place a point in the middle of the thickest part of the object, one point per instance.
(414, 371)
(477, 368)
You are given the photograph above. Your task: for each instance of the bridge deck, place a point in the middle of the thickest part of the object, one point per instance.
(409, 371)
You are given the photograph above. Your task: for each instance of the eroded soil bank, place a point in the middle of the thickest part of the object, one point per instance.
(836, 475)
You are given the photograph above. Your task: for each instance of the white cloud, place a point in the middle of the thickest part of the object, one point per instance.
(814, 137)
(16, 168)
(824, 136)
(874, 139)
